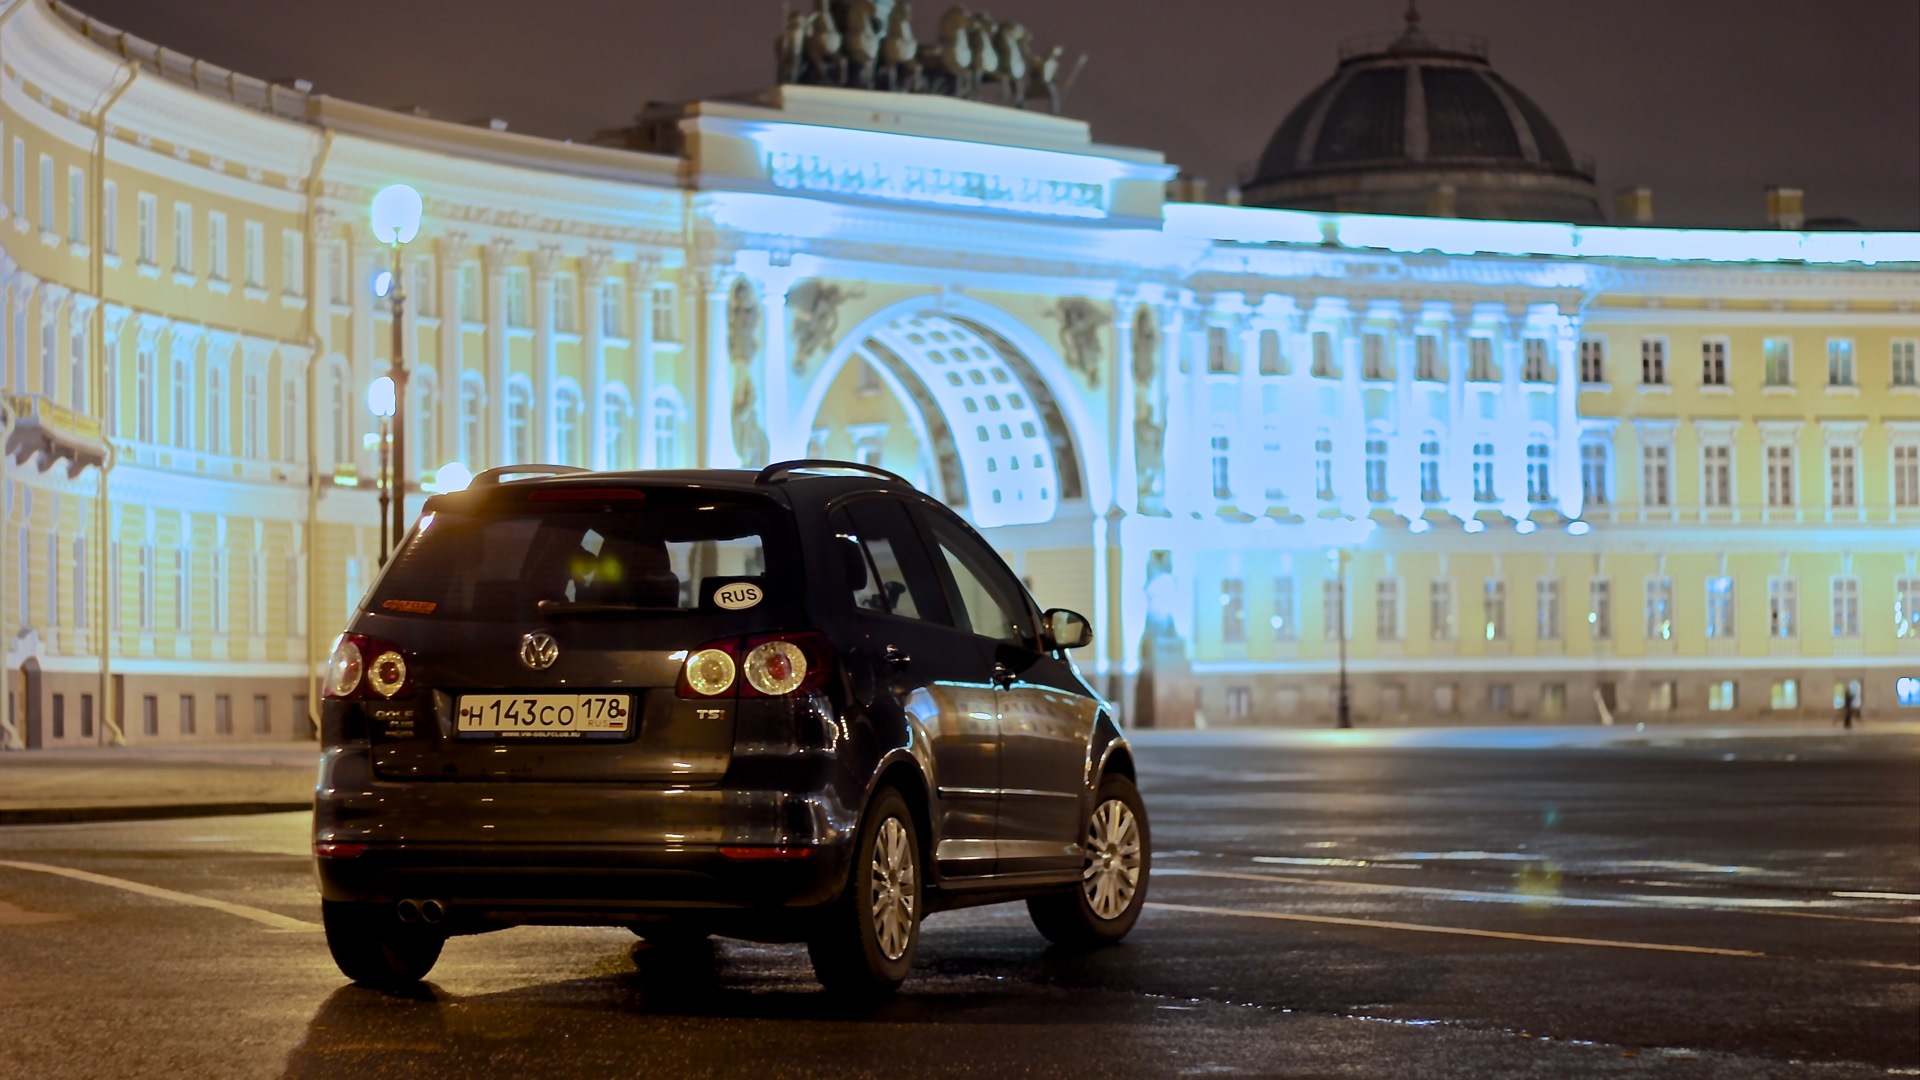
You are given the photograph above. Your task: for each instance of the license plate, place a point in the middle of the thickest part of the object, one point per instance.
(540, 716)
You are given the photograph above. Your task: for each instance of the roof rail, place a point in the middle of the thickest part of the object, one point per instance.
(499, 474)
(780, 470)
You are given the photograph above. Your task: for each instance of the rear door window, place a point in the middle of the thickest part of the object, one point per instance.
(900, 579)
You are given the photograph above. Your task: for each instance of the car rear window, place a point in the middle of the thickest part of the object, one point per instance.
(500, 560)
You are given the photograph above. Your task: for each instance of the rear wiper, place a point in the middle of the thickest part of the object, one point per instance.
(582, 607)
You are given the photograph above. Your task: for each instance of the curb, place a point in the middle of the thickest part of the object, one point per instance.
(75, 815)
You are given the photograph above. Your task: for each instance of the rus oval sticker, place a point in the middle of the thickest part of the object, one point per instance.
(740, 594)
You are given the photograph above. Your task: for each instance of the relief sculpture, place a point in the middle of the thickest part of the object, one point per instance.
(743, 346)
(1149, 430)
(1081, 321)
(815, 307)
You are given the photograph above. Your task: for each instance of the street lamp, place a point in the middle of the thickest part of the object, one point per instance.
(380, 402)
(1343, 717)
(395, 214)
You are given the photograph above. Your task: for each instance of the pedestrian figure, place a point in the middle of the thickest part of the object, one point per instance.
(1849, 708)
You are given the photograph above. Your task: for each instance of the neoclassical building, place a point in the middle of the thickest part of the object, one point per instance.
(1529, 471)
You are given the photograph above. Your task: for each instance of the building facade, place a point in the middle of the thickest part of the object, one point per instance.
(1525, 470)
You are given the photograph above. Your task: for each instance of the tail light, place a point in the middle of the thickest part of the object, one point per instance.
(770, 665)
(361, 664)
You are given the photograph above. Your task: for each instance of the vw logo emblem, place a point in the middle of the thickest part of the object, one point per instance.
(538, 650)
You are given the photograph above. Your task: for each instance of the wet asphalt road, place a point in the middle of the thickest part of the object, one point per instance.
(1738, 909)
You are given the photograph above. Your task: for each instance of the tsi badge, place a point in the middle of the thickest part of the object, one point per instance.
(538, 650)
(740, 594)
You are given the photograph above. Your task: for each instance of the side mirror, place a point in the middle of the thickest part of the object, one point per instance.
(853, 561)
(1067, 629)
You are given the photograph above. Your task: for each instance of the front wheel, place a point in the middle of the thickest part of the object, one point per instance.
(374, 948)
(1117, 857)
(865, 945)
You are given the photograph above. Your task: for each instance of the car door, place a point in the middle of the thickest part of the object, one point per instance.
(1045, 725)
(936, 673)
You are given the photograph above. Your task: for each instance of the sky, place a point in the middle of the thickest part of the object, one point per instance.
(1705, 101)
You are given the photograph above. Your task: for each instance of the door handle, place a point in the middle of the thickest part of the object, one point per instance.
(1003, 675)
(897, 656)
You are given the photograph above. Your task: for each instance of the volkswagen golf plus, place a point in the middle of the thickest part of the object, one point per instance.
(808, 704)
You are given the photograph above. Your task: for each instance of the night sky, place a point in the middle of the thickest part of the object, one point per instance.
(1705, 102)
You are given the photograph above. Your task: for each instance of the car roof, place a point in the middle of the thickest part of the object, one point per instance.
(811, 481)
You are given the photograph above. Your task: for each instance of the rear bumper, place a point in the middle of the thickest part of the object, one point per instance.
(509, 852)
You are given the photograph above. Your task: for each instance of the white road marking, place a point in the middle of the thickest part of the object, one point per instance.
(1880, 895)
(1503, 935)
(260, 915)
(1686, 903)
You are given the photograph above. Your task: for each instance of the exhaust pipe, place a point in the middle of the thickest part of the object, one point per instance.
(408, 911)
(432, 912)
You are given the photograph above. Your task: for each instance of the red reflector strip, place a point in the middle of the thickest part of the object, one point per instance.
(764, 854)
(330, 849)
(584, 494)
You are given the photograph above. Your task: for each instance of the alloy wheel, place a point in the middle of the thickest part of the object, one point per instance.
(1112, 871)
(893, 889)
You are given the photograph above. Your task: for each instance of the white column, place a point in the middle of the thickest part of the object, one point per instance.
(1566, 443)
(712, 370)
(593, 274)
(1511, 433)
(1350, 430)
(497, 255)
(1245, 469)
(1459, 440)
(1301, 407)
(1403, 449)
(640, 322)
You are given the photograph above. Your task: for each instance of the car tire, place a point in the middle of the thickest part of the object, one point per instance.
(374, 948)
(864, 946)
(1113, 884)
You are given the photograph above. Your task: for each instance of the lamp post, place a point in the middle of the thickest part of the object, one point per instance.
(380, 402)
(395, 214)
(1343, 714)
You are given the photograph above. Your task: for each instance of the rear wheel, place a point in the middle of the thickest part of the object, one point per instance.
(1117, 857)
(374, 948)
(865, 946)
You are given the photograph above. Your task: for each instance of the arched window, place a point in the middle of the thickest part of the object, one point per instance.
(519, 422)
(339, 419)
(217, 408)
(146, 391)
(473, 404)
(290, 443)
(423, 389)
(666, 429)
(566, 424)
(1595, 471)
(251, 416)
(181, 387)
(616, 428)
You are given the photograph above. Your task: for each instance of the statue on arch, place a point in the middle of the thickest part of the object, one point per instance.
(815, 304)
(743, 348)
(1081, 321)
(1149, 432)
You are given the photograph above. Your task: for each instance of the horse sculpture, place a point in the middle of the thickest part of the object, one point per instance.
(863, 43)
(870, 44)
(790, 48)
(823, 49)
(901, 50)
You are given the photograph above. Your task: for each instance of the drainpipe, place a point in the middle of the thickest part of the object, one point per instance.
(97, 396)
(314, 269)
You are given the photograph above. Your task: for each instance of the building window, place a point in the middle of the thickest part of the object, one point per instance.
(290, 396)
(1373, 357)
(186, 714)
(1600, 609)
(666, 431)
(1905, 371)
(80, 582)
(1430, 469)
(1546, 610)
(1661, 696)
(1906, 607)
(293, 595)
(1653, 361)
(1494, 609)
(1779, 475)
(1376, 470)
(1846, 607)
(49, 351)
(1660, 609)
(1533, 364)
(262, 715)
(1233, 611)
(566, 303)
(1426, 358)
(1499, 699)
(1386, 609)
(339, 401)
(216, 409)
(666, 308)
(519, 423)
(1333, 609)
(146, 358)
(216, 245)
(1783, 608)
(148, 220)
(1271, 360)
(1906, 476)
(610, 323)
(110, 218)
(1222, 487)
(19, 177)
(468, 278)
(252, 413)
(1593, 473)
(1720, 607)
(566, 425)
(1483, 472)
(473, 402)
(1841, 489)
(1539, 473)
(1778, 356)
(182, 588)
(1840, 362)
(1713, 363)
(616, 429)
(1323, 466)
(53, 577)
(182, 238)
(1323, 363)
(1480, 360)
(76, 205)
(1220, 359)
(46, 194)
(519, 308)
(422, 288)
(222, 595)
(181, 386)
(222, 714)
(150, 714)
(1285, 626)
(255, 266)
(77, 369)
(1440, 610)
(1656, 475)
(1784, 694)
(1720, 695)
(1716, 475)
(1239, 703)
(293, 263)
(1593, 360)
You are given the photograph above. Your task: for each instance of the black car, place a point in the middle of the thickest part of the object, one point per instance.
(808, 704)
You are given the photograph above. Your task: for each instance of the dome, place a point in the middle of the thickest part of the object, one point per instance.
(1423, 125)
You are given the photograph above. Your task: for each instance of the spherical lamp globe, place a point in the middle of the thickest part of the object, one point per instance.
(396, 214)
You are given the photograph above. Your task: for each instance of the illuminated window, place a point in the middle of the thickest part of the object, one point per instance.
(1221, 358)
(423, 391)
(1483, 472)
(1373, 357)
(339, 419)
(1778, 356)
(1480, 366)
(519, 308)
(1779, 475)
(1841, 489)
(469, 280)
(666, 308)
(1713, 363)
(1233, 611)
(181, 385)
(1283, 621)
(1323, 363)
(290, 398)
(1720, 607)
(1660, 609)
(1533, 364)
(1323, 466)
(1784, 694)
(1716, 475)
(1222, 486)
(1653, 361)
(1846, 607)
(1272, 361)
(1426, 358)
(1546, 609)
(1594, 490)
(1440, 610)
(1376, 470)
(1905, 370)
(1430, 469)
(1840, 362)
(49, 351)
(1906, 607)
(1493, 604)
(1593, 360)
(1906, 476)
(1539, 473)
(422, 292)
(1333, 609)
(566, 303)
(1720, 695)
(1600, 609)
(1783, 607)
(1386, 609)
(611, 322)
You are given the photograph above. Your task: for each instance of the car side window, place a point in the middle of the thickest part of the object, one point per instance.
(900, 579)
(988, 599)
